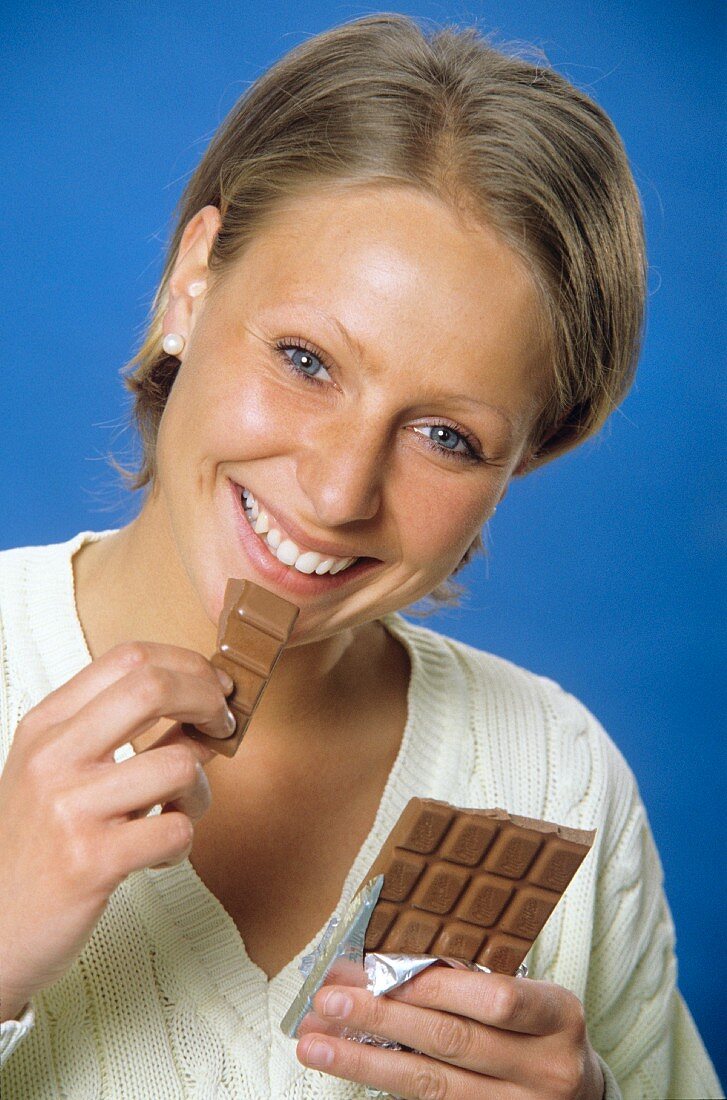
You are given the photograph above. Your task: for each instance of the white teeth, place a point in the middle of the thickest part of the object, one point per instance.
(307, 562)
(287, 552)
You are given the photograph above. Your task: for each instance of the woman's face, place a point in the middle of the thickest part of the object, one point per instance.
(389, 446)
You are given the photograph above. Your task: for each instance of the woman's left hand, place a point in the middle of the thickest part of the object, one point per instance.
(480, 1035)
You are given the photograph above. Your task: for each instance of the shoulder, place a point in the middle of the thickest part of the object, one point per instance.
(37, 617)
(19, 562)
(23, 566)
(536, 749)
(26, 570)
(21, 570)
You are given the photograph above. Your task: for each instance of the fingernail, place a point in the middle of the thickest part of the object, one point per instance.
(225, 679)
(319, 1054)
(338, 1005)
(231, 721)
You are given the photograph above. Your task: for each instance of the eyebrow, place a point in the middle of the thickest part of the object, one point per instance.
(356, 349)
(353, 344)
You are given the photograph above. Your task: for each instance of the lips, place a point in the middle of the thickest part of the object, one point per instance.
(287, 579)
(286, 550)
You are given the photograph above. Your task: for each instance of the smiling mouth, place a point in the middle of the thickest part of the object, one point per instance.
(282, 546)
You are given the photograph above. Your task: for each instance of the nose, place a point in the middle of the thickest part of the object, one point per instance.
(341, 469)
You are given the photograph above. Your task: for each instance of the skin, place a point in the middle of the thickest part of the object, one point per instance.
(444, 317)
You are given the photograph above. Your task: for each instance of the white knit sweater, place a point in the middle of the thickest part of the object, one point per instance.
(164, 1003)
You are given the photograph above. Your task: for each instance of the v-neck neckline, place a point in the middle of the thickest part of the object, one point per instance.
(198, 922)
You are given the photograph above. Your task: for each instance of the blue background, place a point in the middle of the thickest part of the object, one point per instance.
(603, 570)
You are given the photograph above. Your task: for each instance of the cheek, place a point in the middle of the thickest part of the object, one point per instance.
(222, 415)
(442, 525)
(258, 421)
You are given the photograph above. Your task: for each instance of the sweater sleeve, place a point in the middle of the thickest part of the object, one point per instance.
(638, 1023)
(13, 704)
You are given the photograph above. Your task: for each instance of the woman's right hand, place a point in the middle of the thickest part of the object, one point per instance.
(72, 824)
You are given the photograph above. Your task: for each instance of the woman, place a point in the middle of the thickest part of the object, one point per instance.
(407, 269)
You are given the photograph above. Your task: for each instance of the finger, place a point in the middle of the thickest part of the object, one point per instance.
(313, 1022)
(118, 662)
(160, 841)
(196, 802)
(130, 706)
(512, 1004)
(175, 735)
(406, 1075)
(342, 972)
(171, 774)
(440, 1035)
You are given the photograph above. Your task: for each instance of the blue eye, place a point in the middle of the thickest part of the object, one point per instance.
(302, 361)
(444, 438)
(307, 363)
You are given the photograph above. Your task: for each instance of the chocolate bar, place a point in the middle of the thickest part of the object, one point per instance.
(476, 885)
(253, 628)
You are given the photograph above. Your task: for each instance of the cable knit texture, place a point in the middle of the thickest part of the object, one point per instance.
(164, 1001)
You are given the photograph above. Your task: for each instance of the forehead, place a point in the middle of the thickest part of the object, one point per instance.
(413, 284)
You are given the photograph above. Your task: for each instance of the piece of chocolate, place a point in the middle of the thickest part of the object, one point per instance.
(253, 628)
(476, 885)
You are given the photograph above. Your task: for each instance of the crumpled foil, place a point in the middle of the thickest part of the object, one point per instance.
(386, 972)
(338, 959)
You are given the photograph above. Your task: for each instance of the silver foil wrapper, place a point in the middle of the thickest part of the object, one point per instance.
(339, 960)
(386, 972)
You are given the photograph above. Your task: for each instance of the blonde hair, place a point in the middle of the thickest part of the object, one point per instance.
(382, 99)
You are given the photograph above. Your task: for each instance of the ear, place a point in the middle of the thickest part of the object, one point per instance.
(189, 279)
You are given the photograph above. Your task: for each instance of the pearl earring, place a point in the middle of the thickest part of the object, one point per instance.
(173, 343)
(196, 288)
